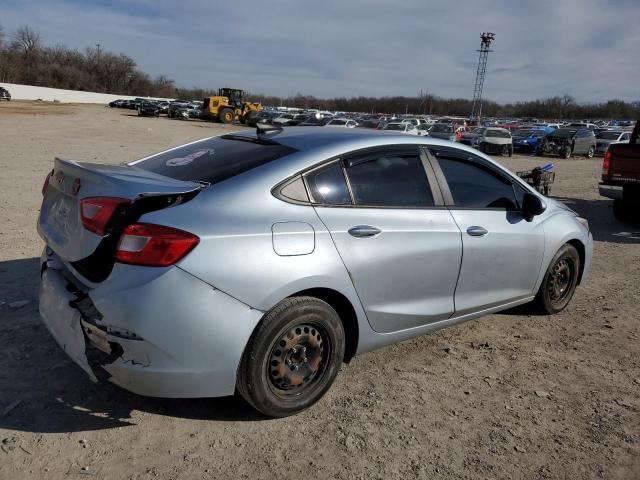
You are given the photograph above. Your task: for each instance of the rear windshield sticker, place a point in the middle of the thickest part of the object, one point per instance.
(187, 159)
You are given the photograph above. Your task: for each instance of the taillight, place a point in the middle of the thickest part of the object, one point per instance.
(45, 185)
(606, 163)
(97, 211)
(154, 245)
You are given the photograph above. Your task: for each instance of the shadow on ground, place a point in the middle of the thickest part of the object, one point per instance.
(41, 390)
(604, 226)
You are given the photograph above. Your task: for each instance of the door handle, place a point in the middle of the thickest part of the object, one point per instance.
(476, 231)
(364, 231)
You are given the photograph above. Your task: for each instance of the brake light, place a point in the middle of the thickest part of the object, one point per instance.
(97, 211)
(154, 245)
(606, 163)
(45, 185)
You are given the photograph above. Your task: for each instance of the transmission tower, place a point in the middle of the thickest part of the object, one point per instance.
(486, 38)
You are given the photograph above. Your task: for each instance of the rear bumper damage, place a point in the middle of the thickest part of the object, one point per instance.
(155, 332)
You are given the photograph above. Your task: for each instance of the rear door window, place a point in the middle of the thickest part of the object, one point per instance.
(215, 159)
(393, 178)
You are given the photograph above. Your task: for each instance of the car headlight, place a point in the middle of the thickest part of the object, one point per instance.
(584, 222)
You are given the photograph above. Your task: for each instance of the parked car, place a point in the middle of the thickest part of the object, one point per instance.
(341, 122)
(259, 262)
(444, 131)
(621, 177)
(408, 128)
(610, 137)
(282, 119)
(492, 140)
(566, 142)
(369, 124)
(179, 110)
(116, 103)
(4, 94)
(148, 109)
(528, 139)
(260, 117)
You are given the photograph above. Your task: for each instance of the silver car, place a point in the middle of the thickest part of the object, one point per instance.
(259, 262)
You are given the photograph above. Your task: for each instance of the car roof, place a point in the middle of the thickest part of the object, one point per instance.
(320, 138)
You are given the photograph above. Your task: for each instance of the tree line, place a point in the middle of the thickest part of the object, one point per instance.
(25, 59)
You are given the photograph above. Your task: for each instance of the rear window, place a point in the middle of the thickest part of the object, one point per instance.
(497, 133)
(215, 159)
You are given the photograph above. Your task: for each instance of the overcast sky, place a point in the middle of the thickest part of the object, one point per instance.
(327, 48)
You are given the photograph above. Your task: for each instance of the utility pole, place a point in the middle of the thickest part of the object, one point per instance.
(486, 38)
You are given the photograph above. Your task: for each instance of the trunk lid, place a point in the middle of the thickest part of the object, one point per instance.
(60, 222)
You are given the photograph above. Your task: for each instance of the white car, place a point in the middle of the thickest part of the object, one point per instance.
(342, 122)
(283, 119)
(408, 128)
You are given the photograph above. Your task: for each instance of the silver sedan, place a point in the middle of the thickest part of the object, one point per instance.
(258, 262)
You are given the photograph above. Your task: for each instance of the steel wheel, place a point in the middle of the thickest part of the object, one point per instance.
(561, 280)
(297, 359)
(292, 357)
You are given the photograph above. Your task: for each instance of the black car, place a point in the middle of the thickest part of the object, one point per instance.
(179, 109)
(148, 109)
(260, 117)
(4, 94)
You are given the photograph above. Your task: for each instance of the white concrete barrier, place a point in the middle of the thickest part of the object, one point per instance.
(29, 92)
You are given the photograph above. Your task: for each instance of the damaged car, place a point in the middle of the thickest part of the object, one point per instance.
(259, 261)
(490, 140)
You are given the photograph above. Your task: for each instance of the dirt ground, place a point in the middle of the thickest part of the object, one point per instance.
(511, 395)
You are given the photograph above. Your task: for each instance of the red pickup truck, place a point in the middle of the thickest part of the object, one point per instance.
(621, 177)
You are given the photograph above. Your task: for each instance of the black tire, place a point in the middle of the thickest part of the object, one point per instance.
(591, 152)
(292, 357)
(227, 116)
(623, 211)
(482, 147)
(565, 152)
(511, 151)
(560, 281)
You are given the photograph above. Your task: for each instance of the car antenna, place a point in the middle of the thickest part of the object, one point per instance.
(263, 128)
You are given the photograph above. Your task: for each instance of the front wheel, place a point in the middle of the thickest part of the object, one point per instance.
(560, 281)
(293, 357)
(565, 152)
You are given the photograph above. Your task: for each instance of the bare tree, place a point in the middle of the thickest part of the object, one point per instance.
(27, 40)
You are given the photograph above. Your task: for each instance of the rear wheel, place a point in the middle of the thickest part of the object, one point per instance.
(565, 152)
(293, 357)
(227, 116)
(560, 281)
(591, 151)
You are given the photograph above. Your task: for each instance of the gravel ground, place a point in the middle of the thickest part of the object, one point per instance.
(511, 395)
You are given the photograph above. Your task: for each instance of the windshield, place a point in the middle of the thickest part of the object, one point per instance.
(215, 159)
(442, 128)
(523, 132)
(395, 126)
(338, 122)
(564, 133)
(608, 135)
(497, 133)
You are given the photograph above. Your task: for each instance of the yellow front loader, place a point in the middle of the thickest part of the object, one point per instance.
(228, 107)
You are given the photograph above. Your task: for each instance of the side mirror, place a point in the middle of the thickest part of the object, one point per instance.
(531, 206)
